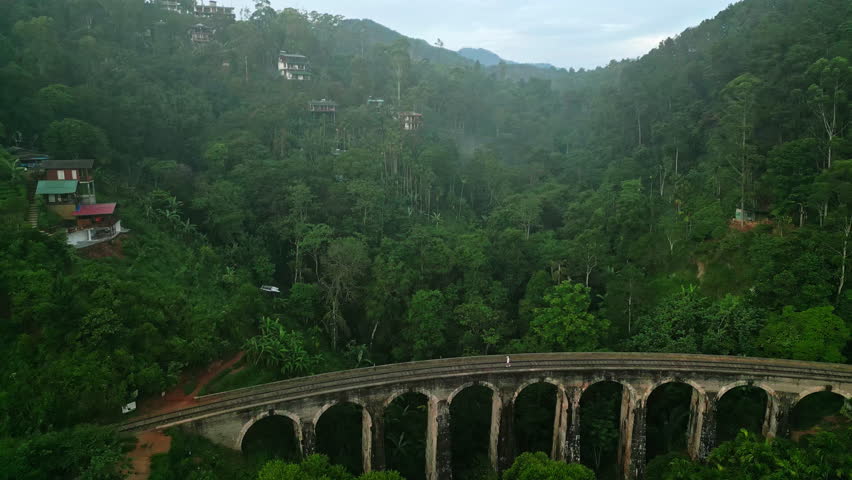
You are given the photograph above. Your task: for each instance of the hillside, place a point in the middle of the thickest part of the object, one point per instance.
(357, 34)
(694, 200)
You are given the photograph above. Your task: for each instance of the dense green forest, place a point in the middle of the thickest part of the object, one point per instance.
(535, 210)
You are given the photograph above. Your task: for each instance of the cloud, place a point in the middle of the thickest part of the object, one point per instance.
(578, 33)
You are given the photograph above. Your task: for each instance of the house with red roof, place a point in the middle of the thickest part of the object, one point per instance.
(95, 223)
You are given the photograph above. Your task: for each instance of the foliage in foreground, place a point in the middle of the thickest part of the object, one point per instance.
(196, 458)
(317, 467)
(83, 452)
(825, 455)
(538, 466)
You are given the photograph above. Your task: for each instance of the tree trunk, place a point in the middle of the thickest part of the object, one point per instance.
(297, 268)
(677, 157)
(843, 254)
(743, 172)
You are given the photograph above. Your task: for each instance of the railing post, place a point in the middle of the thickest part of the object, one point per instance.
(439, 462)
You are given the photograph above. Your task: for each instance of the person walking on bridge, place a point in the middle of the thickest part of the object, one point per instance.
(508, 362)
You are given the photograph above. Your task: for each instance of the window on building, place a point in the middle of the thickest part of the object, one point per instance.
(60, 174)
(73, 174)
(51, 198)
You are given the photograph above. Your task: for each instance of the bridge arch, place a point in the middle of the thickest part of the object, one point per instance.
(770, 392)
(297, 425)
(423, 391)
(467, 385)
(602, 399)
(533, 381)
(695, 386)
(743, 404)
(342, 430)
(634, 394)
(334, 403)
(824, 388)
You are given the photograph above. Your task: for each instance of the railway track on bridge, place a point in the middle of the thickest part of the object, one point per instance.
(402, 373)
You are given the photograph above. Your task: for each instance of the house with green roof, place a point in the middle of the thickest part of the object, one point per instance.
(60, 196)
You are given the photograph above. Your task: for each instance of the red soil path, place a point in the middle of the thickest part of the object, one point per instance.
(148, 444)
(175, 399)
(154, 442)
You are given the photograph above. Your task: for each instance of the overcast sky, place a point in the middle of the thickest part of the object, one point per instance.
(566, 33)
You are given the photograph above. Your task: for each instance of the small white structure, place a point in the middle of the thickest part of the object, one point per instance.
(270, 289)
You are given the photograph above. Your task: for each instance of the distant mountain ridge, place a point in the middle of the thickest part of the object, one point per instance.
(357, 34)
(489, 59)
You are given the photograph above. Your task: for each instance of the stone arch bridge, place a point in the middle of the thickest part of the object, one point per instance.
(225, 418)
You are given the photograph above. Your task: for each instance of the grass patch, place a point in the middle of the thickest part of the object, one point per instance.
(190, 385)
(250, 376)
(195, 457)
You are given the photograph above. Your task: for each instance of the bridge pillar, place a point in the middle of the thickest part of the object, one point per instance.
(701, 435)
(560, 425)
(439, 461)
(372, 438)
(309, 438)
(505, 438)
(572, 438)
(631, 451)
(776, 422)
(494, 433)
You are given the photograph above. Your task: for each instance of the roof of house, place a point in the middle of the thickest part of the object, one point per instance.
(330, 103)
(56, 187)
(96, 209)
(64, 164)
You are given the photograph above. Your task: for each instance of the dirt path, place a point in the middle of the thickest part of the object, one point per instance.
(154, 442)
(148, 444)
(175, 399)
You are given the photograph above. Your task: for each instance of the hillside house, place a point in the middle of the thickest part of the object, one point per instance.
(375, 102)
(750, 215)
(411, 120)
(200, 33)
(293, 66)
(323, 106)
(170, 5)
(94, 224)
(27, 159)
(212, 9)
(80, 170)
(199, 9)
(60, 196)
